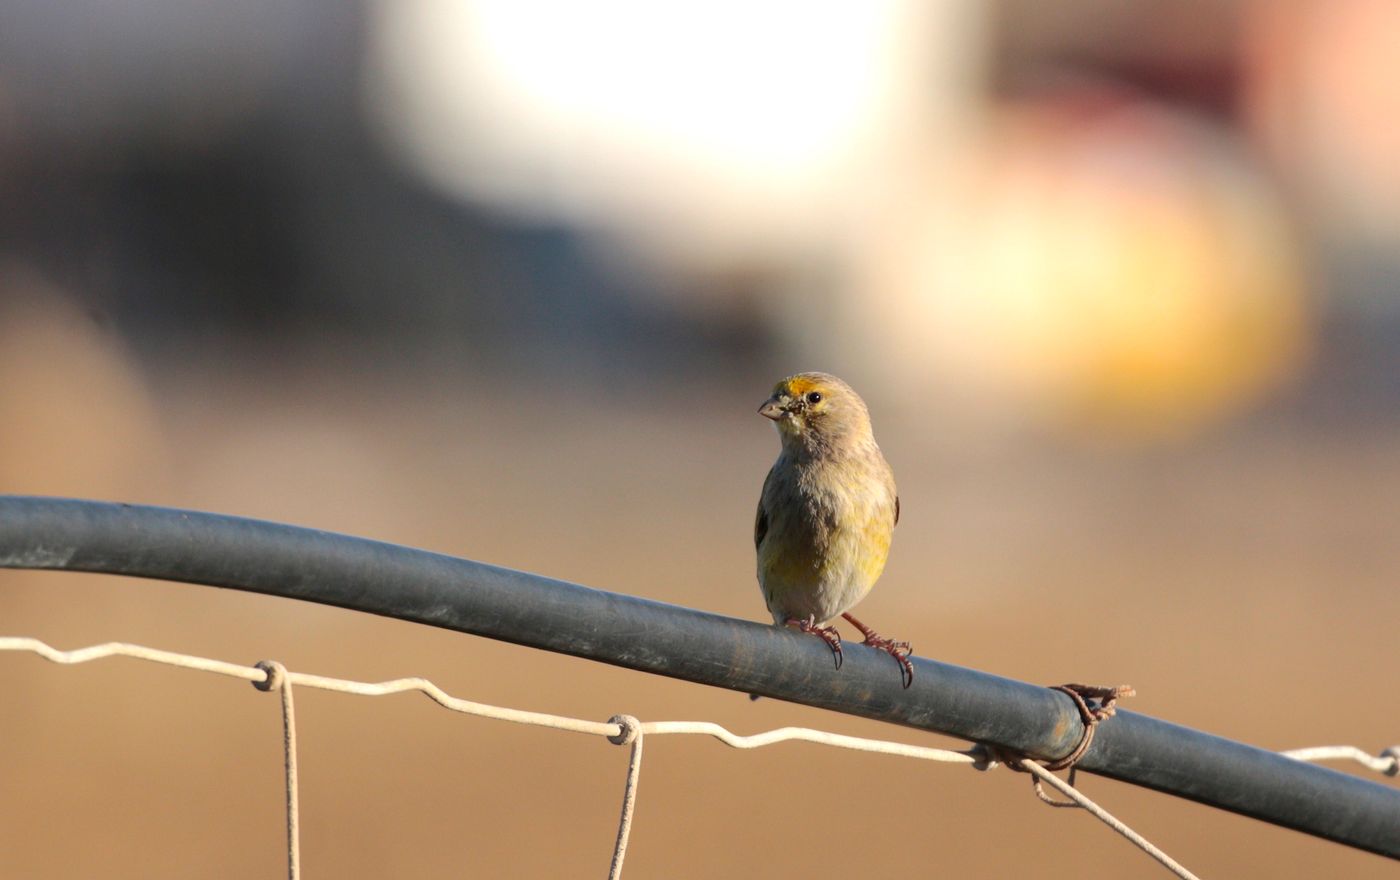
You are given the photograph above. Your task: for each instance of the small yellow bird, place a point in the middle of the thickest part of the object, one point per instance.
(827, 512)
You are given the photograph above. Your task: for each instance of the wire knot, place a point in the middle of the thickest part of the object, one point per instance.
(1104, 706)
(276, 675)
(1094, 704)
(631, 729)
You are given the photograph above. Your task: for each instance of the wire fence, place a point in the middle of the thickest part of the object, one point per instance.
(620, 730)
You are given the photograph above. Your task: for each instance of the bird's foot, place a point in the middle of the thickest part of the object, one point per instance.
(827, 634)
(900, 651)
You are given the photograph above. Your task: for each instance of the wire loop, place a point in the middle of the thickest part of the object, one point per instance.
(276, 675)
(631, 728)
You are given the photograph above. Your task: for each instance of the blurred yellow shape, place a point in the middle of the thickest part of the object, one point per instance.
(1123, 270)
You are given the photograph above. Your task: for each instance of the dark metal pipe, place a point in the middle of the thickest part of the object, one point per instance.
(471, 597)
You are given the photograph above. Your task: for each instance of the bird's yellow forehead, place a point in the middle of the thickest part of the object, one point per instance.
(796, 386)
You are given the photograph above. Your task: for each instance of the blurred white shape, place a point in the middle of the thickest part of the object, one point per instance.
(699, 125)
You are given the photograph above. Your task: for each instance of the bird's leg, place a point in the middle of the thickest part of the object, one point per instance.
(898, 650)
(827, 634)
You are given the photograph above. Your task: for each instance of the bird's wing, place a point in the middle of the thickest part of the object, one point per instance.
(760, 521)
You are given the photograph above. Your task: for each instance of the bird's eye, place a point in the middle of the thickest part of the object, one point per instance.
(814, 397)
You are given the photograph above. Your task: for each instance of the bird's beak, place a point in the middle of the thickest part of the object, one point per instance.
(772, 409)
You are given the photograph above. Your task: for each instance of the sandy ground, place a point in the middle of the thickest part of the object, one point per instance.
(1246, 585)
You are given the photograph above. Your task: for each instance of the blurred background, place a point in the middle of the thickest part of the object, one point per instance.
(506, 279)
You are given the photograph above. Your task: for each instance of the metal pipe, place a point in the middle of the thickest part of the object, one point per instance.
(539, 612)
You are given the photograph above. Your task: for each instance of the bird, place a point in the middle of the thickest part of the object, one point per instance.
(826, 514)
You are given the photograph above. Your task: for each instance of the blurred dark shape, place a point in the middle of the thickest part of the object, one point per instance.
(201, 174)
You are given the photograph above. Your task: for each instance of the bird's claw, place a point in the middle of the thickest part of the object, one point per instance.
(900, 651)
(827, 634)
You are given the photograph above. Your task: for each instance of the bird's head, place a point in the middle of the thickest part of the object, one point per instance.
(817, 410)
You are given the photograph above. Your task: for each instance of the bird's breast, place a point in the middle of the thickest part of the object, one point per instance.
(828, 537)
